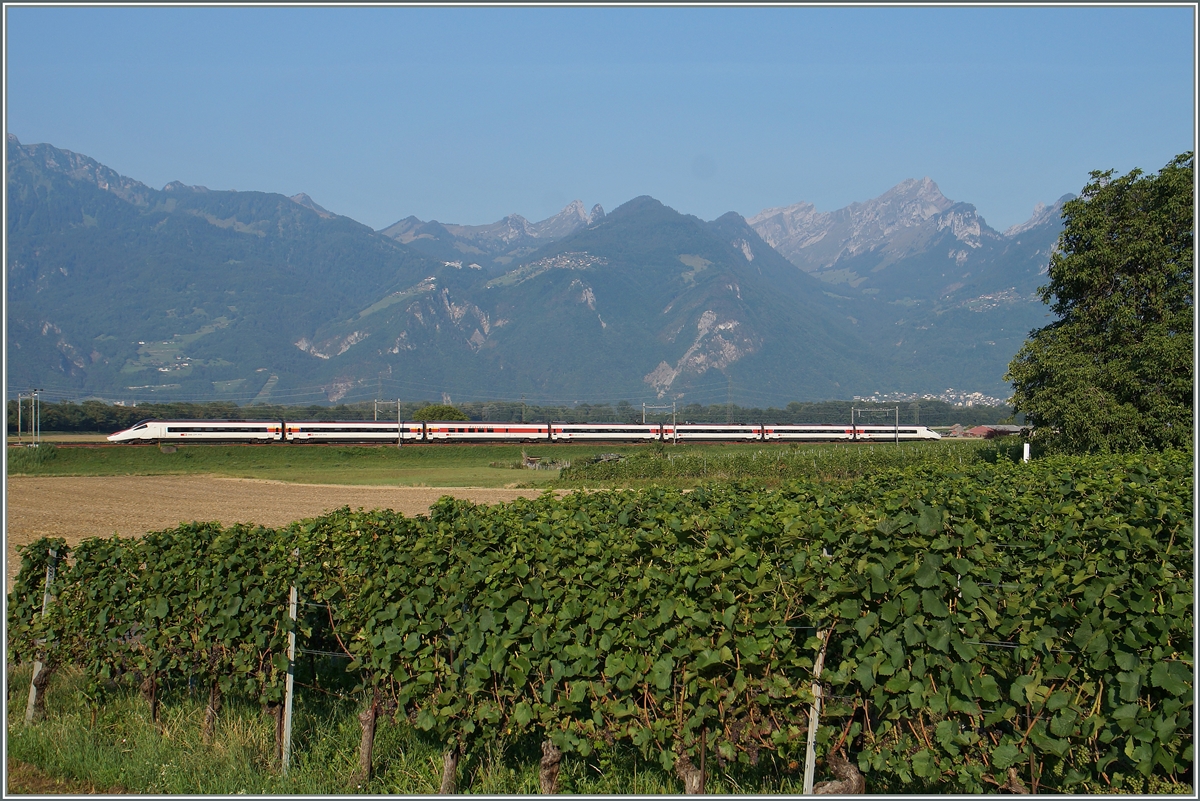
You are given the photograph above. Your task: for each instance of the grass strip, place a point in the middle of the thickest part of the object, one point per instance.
(121, 750)
(682, 465)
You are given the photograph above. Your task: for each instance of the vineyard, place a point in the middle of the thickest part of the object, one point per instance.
(824, 461)
(1006, 626)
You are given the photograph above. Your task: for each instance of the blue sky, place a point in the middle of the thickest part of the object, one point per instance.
(467, 114)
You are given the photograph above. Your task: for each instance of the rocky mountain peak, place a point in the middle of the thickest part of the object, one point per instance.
(500, 242)
(80, 168)
(814, 240)
(180, 186)
(1042, 214)
(907, 203)
(567, 221)
(576, 209)
(513, 227)
(307, 202)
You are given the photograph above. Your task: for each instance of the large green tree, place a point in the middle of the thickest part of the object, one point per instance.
(439, 413)
(1115, 371)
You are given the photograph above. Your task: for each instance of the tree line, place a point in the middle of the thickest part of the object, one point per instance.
(95, 415)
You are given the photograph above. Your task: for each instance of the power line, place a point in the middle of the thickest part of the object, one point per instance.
(317, 394)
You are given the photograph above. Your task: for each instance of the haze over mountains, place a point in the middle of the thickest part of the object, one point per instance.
(123, 291)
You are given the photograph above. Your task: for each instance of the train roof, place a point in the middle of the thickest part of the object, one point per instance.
(198, 421)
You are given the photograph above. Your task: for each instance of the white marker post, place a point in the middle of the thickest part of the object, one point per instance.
(291, 669)
(38, 667)
(810, 754)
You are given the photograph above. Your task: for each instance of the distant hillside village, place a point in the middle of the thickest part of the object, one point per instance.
(950, 395)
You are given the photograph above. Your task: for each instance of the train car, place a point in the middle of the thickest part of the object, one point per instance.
(470, 431)
(604, 432)
(891, 433)
(809, 433)
(353, 431)
(201, 431)
(409, 431)
(842, 433)
(699, 432)
(883, 433)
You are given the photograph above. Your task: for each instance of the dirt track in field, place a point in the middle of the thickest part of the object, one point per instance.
(78, 508)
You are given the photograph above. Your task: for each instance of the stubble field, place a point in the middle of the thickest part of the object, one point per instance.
(76, 508)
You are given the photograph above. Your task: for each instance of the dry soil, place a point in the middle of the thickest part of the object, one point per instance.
(78, 508)
(25, 779)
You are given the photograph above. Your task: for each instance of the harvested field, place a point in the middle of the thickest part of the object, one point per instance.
(77, 508)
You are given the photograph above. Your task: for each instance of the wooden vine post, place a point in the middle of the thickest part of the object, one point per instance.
(449, 770)
(149, 690)
(293, 602)
(41, 675)
(810, 754)
(211, 710)
(367, 720)
(691, 776)
(548, 768)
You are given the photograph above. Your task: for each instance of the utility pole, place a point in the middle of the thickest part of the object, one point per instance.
(674, 434)
(876, 410)
(35, 420)
(522, 408)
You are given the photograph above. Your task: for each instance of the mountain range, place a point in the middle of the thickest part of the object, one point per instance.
(498, 244)
(119, 290)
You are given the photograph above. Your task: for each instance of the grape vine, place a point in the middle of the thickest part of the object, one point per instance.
(989, 624)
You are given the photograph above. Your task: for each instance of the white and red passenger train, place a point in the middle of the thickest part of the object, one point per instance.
(414, 432)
